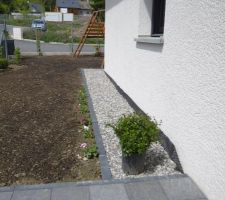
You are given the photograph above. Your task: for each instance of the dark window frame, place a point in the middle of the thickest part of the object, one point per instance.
(158, 17)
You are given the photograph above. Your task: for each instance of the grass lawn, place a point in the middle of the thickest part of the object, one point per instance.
(57, 31)
(41, 122)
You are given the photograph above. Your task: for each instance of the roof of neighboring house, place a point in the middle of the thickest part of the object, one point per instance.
(35, 7)
(81, 4)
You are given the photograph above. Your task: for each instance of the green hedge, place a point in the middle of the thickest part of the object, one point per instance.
(3, 63)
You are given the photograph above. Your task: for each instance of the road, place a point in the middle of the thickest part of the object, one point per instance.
(27, 47)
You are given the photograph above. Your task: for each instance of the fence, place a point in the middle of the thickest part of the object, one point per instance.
(61, 32)
(58, 17)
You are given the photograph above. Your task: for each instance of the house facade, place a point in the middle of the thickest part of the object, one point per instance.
(36, 8)
(77, 7)
(169, 58)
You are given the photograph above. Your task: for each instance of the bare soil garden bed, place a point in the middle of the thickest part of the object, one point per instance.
(40, 130)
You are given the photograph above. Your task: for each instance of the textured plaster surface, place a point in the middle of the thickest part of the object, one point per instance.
(181, 82)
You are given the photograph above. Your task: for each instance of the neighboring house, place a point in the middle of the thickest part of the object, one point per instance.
(169, 57)
(35, 8)
(77, 7)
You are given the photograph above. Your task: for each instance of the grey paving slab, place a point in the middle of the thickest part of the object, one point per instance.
(6, 189)
(5, 195)
(71, 193)
(108, 192)
(145, 191)
(44, 194)
(181, 189)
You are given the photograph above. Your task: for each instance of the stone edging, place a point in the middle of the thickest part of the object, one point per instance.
(105, 169)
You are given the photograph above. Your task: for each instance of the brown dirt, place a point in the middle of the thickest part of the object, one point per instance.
(39, 122)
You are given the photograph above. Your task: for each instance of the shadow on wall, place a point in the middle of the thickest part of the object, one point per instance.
(171, 150)
(111, 3)
(150, 47)
(164, 140)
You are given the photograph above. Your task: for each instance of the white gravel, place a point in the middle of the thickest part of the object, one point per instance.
(109, 105)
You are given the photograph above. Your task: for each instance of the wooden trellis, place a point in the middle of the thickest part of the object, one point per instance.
(95, 29)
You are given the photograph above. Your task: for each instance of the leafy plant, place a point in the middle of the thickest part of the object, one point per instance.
(136, 132)
(22, 6)
(88, 133)
(91, 152)
(85, 120)
(97, 4)
(1, 52)
(3, 63)
(83, 101)
(17, 55)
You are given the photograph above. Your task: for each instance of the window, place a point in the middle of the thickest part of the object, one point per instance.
(158, 15)
(151, 21)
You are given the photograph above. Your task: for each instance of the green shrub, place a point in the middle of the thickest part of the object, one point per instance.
(83, 101)
(85, 120)
(91, 152)
(3, 63)
(17, 56)
(1, 52)
(136, 132)
(60, 35)
(88, 133)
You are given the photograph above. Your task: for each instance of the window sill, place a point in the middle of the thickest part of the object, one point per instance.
(150, 40)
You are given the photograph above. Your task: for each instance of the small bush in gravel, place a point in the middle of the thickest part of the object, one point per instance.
(136, 132)
(91, 152)
(3, 63)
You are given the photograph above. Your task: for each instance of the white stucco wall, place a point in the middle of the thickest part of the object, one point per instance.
(181, 82)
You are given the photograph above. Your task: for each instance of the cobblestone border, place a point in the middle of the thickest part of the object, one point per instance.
(105, 169)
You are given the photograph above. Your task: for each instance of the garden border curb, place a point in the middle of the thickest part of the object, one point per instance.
(50, 186)
(105, 169)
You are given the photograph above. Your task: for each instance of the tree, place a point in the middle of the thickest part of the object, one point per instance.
(46, 4)
(50, 5)
(97, 4)
(6, 6)
(21, 6)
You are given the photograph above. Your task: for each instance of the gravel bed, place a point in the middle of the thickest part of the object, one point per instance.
(109, 105)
